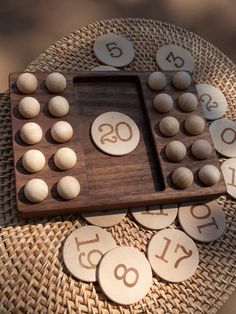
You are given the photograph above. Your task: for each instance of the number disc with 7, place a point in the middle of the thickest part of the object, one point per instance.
(115, 133)
(125, 275)
(173, 255)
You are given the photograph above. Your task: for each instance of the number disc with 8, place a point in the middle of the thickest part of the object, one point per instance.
(125, 275)
(173, 255)
(83, 250)
(115, 133)
(114, 50)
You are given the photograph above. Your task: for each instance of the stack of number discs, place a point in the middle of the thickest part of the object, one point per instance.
(124, 273)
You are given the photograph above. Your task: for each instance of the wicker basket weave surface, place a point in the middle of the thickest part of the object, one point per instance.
(32, 276)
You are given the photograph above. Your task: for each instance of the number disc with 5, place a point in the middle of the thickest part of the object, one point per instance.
(115, 133)
(114, 50)
(173, 255)
(124, 275)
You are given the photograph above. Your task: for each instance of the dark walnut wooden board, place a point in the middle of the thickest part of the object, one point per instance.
(138, 179)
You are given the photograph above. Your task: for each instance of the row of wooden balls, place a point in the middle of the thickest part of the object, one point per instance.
(36, 190)
(27, 83)
(180, 80)
(32, 133)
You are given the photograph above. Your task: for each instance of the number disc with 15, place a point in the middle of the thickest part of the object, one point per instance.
(115, 133)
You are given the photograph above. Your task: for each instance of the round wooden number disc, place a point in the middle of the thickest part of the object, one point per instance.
(213, 102)
(229, 172)
(173, 255)
(105, 218)
(172, 58)
(203, 222)
(83, 250)
(223, 134)
(155, 217)
(114, 50)
(125, 275)
(115, 133)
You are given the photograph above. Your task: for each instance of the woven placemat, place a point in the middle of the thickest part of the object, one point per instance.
(32, 276)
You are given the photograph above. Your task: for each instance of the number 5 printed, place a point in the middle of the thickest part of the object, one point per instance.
(114, 50)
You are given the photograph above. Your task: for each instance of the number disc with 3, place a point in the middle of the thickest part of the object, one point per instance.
(115, 133)
(114, 50)
(83, 250)
(173, 255)
(124, 275)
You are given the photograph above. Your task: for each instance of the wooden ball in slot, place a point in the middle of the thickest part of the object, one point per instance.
(31, 133)
(194, 125)
(163, 103)
(157, 80)
(188, 102)
(68, 187)
(36, 190)
(29, 107)
(182, 177)
(65, 158)
(61, 131)
(33, 160)
(181, 80)
(175, 151)
(209, 175)
(27, 83)
(169, 126)
(55, 82)
(58, 106)
(201, 149)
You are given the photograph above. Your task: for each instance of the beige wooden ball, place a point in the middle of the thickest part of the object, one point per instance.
(27, 83)
(209, 175)
(194, 125)
(175, 151)
(29, 107)
(58, 106)
(61, 131)
(157, 80)
(181, 80)
(31, 133)
(65, 158)
(163, 103)
(68, 187)
(33, 160)
(36, 190)
(182, 177)
(201, 149)
(169, 126)
(188, 102)
(55, 82)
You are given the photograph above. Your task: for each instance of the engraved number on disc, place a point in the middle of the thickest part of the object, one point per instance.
(115, 133)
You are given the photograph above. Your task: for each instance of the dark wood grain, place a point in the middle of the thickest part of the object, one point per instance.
(137, 179)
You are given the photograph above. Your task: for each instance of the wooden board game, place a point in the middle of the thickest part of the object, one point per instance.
(142, 177)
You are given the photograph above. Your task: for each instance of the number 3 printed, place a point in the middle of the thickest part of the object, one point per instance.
(178, 61)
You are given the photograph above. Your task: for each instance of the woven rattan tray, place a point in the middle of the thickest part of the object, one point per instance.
(32, 276)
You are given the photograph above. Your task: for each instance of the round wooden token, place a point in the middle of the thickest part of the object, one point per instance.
(173, 255)
(229, 172)
(114, 50)
(214, 103)
(173, 57)
(104, 218)
(125, 275)
(155, 217)
(104, 68)
(83, 250)
(223, 134)
(203, 222)
(115, 133)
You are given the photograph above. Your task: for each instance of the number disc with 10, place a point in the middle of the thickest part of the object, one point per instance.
(115, 133)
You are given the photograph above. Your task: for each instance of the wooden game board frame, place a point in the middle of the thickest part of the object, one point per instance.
(114, 186)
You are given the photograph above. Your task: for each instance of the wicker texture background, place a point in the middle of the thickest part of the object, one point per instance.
(32, 276)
